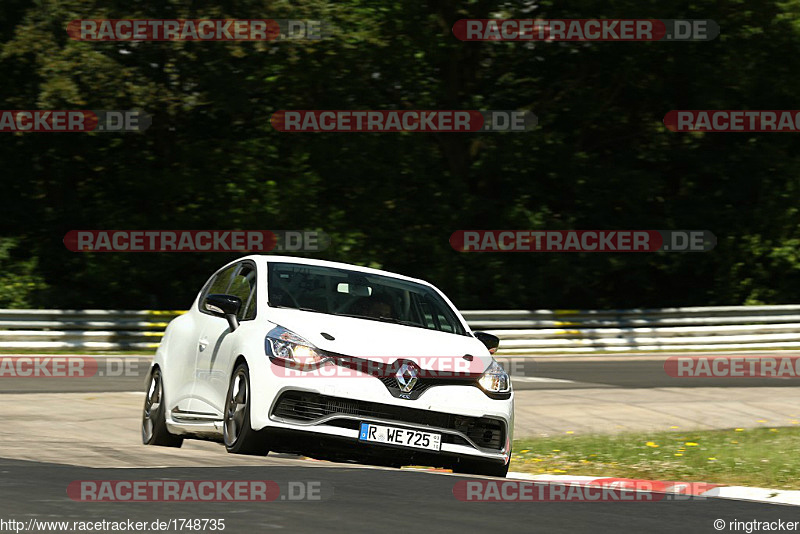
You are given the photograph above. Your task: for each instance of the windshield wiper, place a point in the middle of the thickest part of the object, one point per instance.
(294, 308)
(352, 315)
(382, 318)
(395, 321)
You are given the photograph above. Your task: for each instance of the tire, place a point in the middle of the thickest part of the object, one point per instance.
(238, 435)
(154, 423)
(483, 468)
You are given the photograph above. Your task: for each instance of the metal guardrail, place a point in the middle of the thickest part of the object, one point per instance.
(691, 328)
(83, 329)
(520, 331)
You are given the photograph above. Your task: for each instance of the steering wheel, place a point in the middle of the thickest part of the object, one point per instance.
(346, 306)
(287, 294)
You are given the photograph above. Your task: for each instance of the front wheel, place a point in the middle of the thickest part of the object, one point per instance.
(154, 423)
(238, 435)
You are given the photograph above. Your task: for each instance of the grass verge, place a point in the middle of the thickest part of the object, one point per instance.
(763, 457)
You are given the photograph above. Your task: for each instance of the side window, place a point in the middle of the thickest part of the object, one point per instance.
(243, 286)
(219, 285)
(427, 315)
(444, 323)
(437, 317)
(250, 307)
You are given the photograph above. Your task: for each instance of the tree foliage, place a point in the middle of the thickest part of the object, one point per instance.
(600, 158)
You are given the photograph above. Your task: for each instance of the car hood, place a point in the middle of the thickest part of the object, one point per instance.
(381, 341)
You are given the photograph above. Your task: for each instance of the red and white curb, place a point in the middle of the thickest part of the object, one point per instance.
(699, 489)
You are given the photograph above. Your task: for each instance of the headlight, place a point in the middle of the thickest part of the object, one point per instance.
(495, 379)
(289, 348)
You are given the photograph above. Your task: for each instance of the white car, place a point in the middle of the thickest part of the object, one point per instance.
(332, 361)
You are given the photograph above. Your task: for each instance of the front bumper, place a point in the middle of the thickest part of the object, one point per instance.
(327, 413)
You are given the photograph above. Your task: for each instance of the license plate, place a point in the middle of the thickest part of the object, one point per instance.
(400, 436)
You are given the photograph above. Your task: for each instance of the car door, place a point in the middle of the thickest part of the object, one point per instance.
(219, 284)
(216, 343)
(180, 365)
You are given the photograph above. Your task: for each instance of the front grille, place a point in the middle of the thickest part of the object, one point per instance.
(422, 384)
(309, 407)
(385, 372)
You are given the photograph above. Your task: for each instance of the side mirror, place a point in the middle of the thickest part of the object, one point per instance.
(226, 306)
(491, 342)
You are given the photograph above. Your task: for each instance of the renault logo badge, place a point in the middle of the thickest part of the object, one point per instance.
(407, 376)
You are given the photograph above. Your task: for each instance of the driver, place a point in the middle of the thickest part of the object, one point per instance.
(375, 307)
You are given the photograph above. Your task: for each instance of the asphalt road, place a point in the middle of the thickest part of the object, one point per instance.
(620, 373)
(356, 500)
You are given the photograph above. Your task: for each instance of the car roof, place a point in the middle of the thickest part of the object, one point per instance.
(269, 258)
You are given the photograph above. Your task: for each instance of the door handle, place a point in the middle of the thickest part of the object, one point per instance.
(202, 344)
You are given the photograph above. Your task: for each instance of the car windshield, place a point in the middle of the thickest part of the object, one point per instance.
(361, 295)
